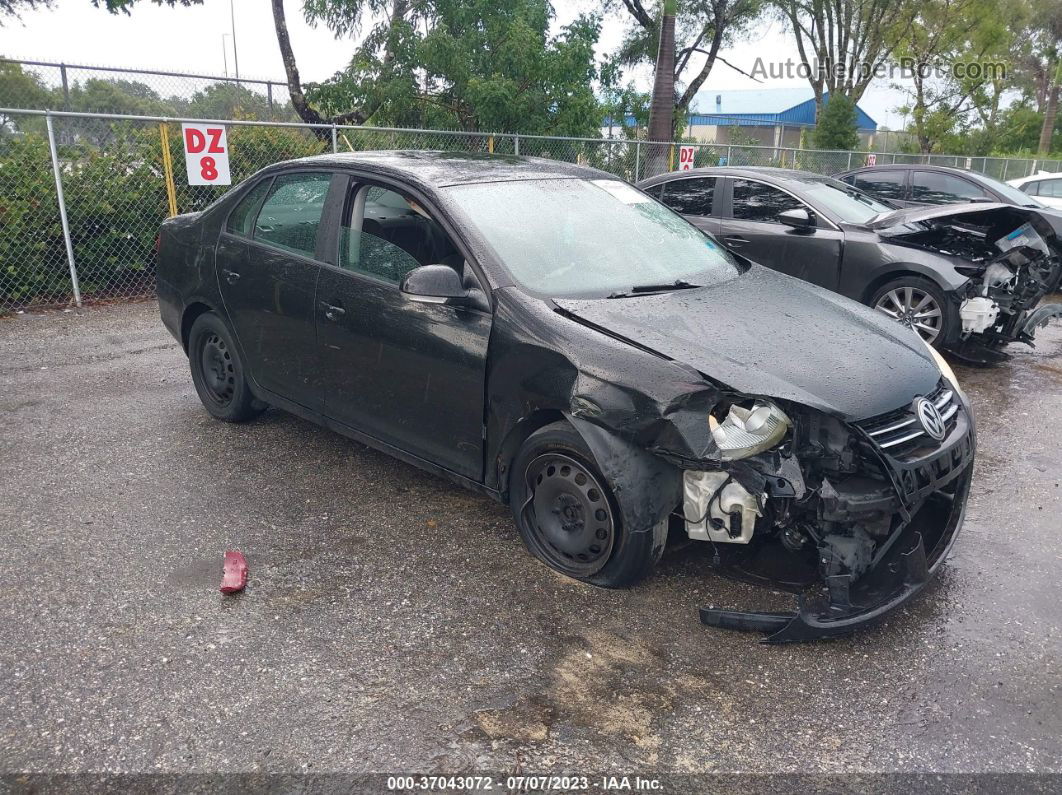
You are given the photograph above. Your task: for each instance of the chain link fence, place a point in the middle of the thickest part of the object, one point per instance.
(46, 85)
(113, 197)
(82, 195)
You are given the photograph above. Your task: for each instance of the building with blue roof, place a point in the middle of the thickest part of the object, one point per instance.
(768, 117)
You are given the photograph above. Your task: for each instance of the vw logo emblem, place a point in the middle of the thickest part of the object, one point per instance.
(930, 419)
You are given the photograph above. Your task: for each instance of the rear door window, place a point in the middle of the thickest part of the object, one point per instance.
(936, 187)
(755, 201)
(1052, 188)
(881, 184)
(690, 196)
(291, 214)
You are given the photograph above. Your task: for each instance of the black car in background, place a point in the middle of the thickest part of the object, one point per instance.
(552, 337)
(965, 277)
(914, 185)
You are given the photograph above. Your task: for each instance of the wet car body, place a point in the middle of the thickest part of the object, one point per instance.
(979, 295)
(853, 504)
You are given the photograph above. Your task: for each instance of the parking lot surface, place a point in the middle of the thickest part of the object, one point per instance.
(394, 622)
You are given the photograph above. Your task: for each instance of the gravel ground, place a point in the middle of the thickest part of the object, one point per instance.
(394, 622)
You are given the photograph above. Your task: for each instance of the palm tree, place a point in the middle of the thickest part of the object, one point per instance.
(662, 106)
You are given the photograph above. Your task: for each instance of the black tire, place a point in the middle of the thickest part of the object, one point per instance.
(217, 372)
(582, 534)
(884, 300)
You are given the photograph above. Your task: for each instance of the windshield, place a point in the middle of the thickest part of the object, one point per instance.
(848, 204)
(589, 238)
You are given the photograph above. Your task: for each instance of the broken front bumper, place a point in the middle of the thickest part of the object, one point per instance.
(932, 492)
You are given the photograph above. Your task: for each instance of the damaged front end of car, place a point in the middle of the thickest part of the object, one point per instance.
(1012, 257)
(801, 469)
(851, 517)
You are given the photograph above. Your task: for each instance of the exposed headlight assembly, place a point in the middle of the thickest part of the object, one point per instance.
(748, 431)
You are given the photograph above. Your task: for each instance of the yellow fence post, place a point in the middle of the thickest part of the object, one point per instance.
(167, 168)
(671, 158)
(490, 144)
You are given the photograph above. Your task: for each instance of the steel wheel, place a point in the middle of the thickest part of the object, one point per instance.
(914, 308)
(569, 514)
(219, 376)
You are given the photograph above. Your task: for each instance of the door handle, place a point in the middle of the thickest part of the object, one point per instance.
(332, 312)
(736, 242)
(230, 276)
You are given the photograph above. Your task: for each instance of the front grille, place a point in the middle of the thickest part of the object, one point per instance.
(899, 433)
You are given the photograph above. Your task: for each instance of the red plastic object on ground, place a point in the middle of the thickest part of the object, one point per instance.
(234, 572)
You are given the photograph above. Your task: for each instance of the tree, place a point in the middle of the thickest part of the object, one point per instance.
(662, 105)
(701, 29)
(14, 8)
(231, 101)
(472, 65)
(843, 42)
(836, 124)
(1042, 61)
(22, 89)
(946, 34)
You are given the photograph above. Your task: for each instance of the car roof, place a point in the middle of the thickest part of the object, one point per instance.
(438, 169)
(1037, 177)
(777, 175)
(966, 172)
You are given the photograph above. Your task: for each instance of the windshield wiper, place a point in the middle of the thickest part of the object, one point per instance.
(642, 289)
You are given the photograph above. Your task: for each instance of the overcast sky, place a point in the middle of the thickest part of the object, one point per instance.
(190, 40)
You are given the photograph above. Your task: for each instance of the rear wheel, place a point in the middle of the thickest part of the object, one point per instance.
(568, 517)
(218, 373)
(918, 304)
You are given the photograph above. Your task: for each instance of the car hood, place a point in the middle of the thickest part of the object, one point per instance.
(764, 333)
(975, 212)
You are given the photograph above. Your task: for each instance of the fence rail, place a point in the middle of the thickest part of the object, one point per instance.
(82, 194)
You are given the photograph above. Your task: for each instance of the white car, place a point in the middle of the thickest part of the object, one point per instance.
(1046, 186)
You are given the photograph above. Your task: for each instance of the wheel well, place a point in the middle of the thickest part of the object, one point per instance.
(892, 276)
(191, 312)
(515, 439)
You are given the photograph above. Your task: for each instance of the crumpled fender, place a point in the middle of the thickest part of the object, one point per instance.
(646, 487)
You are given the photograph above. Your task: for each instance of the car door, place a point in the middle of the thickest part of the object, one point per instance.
(940, 187)
(268, 260)
(407, 373)
(887, 184)
(692, 198)
(750, 226)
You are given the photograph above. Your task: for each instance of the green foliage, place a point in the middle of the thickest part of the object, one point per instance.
(234, 101)
(836, 125)
(471, 65)
(115, 198)
(32, 259)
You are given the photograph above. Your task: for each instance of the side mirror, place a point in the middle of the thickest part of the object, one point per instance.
(798, 218)
(434, 284)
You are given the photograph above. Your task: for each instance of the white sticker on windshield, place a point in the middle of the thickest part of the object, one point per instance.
(622, 191)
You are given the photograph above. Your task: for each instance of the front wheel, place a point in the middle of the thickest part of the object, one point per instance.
(568, 516)
(218, 373)
(918, 304)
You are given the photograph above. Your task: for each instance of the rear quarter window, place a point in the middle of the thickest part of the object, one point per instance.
(241, 219)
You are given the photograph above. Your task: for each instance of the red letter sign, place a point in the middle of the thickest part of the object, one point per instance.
(206, 154)
(686, 154)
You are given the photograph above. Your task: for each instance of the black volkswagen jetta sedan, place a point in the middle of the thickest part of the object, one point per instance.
(551, 336)
(966, 277)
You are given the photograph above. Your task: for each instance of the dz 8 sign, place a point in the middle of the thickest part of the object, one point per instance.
(206, 154)
(686, 158)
